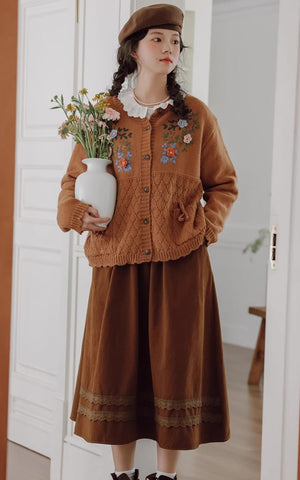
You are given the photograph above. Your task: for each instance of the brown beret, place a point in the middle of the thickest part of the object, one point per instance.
(161, 14)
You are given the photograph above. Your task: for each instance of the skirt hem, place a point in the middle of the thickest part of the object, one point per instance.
(207, 437)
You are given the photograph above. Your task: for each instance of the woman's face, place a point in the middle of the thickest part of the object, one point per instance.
(158, 44)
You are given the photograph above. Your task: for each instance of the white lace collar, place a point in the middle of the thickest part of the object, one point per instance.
(133, 108)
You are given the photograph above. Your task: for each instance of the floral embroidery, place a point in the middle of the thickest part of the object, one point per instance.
(187, 138)
(169, 153)
(182, 123)
(122, 149)
(177, 136)
(113, 133)
(124, 134)
(122, 163)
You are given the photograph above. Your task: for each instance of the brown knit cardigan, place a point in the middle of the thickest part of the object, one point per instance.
(163, 167)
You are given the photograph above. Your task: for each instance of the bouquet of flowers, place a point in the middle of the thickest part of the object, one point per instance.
(91, 125)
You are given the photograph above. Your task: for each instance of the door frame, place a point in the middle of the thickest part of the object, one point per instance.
(279, 454)
(8, 84)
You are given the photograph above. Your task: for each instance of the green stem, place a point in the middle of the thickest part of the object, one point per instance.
(89, 147)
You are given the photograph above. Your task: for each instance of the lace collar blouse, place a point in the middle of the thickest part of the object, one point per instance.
(134, 109)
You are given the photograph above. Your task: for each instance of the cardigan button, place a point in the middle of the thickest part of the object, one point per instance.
(148, 127)
(146, 157)
(146, 220)
(147, 251)
(146, 189)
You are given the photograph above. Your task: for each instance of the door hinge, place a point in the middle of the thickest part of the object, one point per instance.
(273, 246)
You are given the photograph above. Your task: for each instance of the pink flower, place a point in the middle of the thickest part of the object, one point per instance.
(187, 138)
(85, 106)
(111, 114)
(101, 124)
(63, 130)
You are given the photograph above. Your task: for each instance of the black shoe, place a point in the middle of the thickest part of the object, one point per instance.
(153, 476)
(124, 476)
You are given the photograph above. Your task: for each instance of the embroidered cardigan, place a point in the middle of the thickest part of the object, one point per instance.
(163, 165)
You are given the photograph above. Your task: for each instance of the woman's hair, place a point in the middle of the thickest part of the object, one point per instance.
(128, 65)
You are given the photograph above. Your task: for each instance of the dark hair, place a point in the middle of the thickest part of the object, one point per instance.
(128, 65)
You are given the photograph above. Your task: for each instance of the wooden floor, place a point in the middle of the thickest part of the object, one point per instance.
(236, 459)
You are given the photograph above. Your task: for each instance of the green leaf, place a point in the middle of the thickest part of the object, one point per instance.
(257, 243)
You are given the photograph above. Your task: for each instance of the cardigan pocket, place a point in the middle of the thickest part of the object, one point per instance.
(189, 221)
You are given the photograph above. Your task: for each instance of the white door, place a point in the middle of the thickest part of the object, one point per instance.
(57, 53)
(96, 48)
(39, 324)
(279, 459)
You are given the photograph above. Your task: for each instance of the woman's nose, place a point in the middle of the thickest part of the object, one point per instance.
(167, 47)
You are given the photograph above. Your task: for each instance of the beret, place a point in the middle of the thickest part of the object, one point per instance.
(161, 14)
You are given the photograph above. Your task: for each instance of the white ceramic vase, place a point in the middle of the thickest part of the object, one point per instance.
(97, 187)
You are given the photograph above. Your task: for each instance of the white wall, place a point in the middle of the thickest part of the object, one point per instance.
(242, 86)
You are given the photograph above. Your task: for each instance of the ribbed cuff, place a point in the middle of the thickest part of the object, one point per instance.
(210, 235)
(79, 210)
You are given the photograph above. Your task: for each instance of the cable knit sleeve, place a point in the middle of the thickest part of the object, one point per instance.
(219, 181)
(70, 210)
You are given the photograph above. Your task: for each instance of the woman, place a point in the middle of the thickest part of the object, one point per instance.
(152, 362)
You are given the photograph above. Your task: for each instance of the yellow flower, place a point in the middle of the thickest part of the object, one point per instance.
(71, 117)
(98, 105)
(83, 91)
(70, 107)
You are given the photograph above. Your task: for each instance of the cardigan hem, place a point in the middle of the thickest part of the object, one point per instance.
(158, 256)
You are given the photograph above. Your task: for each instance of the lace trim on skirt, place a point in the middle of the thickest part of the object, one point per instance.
(193, 413)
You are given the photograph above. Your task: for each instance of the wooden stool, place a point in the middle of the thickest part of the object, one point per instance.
(257, 365)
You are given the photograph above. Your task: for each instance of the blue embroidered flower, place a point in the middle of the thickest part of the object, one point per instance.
(122, 163)
(113, 133)
(182, 123)
(169, 153)
(164, 159)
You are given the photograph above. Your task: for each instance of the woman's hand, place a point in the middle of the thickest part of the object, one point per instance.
(90, 217)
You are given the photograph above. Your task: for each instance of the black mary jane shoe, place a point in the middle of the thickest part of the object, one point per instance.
(153, 476)
(124, 476)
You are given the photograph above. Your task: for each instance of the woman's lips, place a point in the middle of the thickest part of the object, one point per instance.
(166, 61)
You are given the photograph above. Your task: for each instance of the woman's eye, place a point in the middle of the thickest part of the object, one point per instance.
(157, 38)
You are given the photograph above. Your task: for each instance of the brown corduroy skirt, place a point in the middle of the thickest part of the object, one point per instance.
(151, 362)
